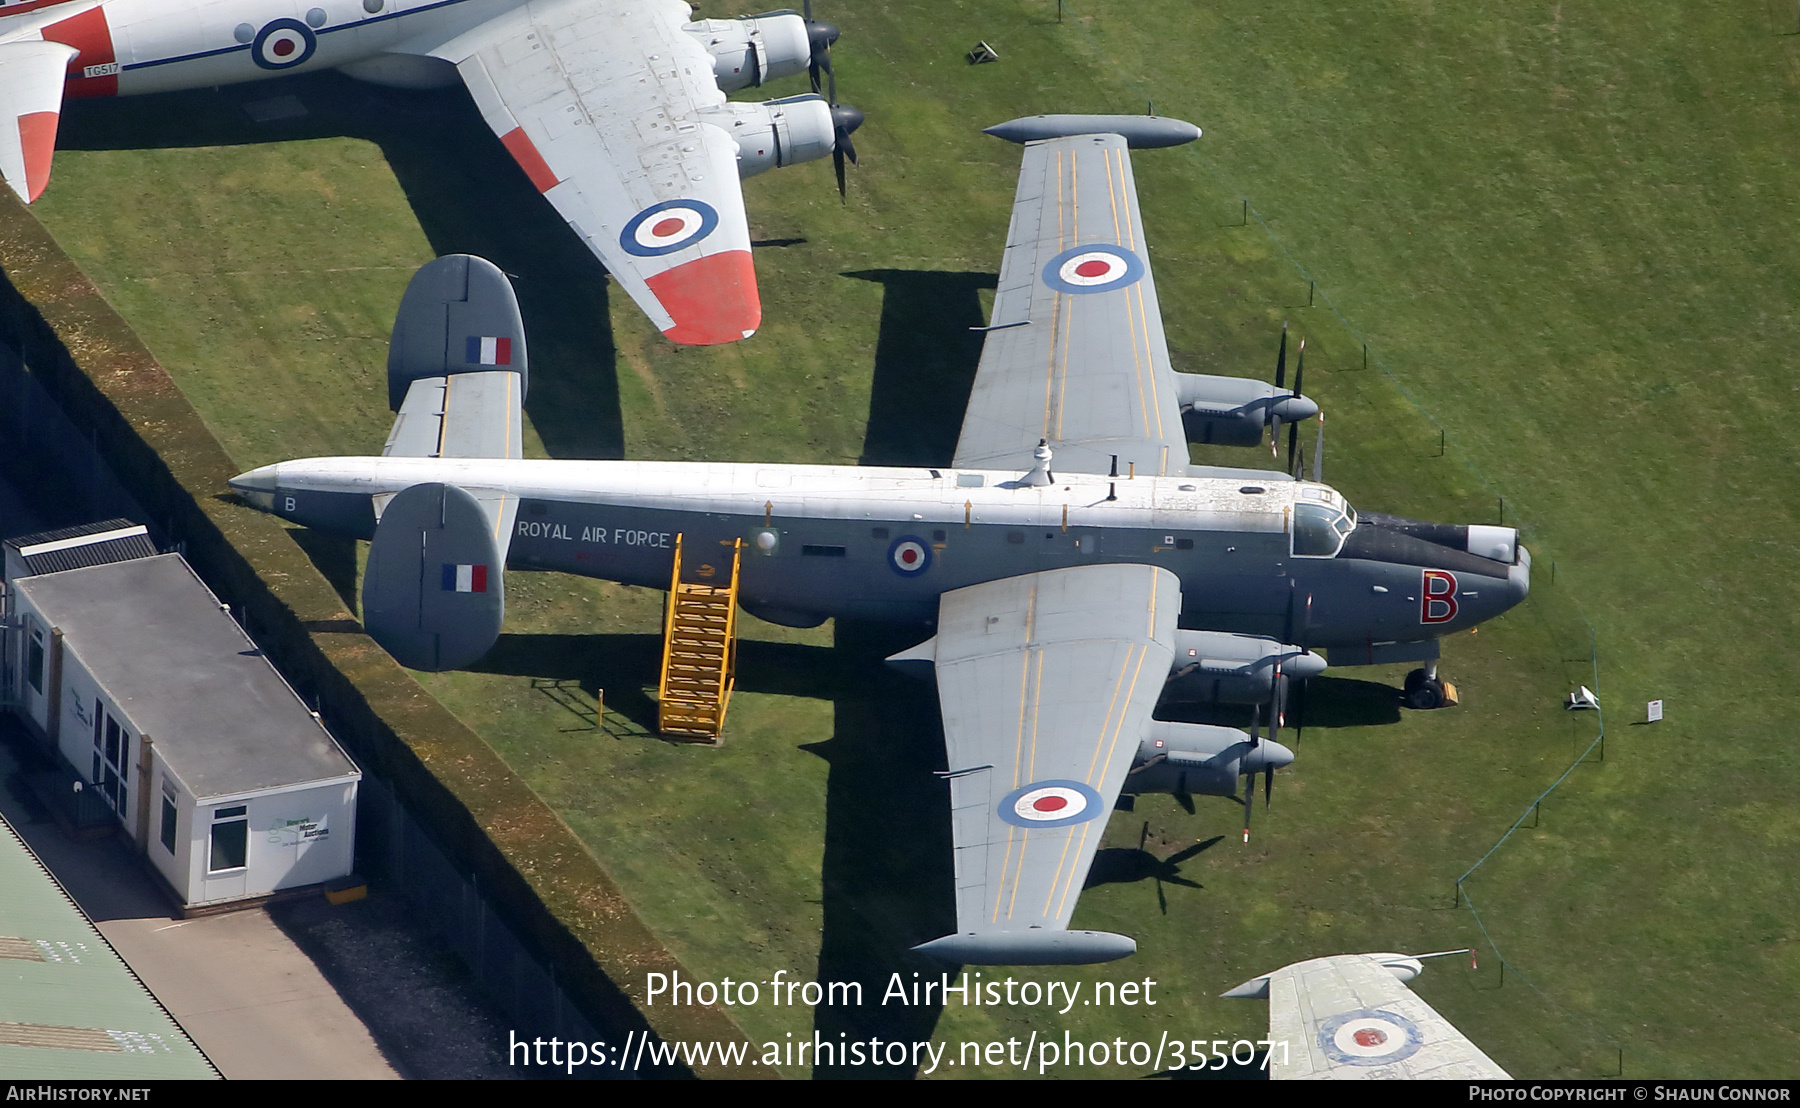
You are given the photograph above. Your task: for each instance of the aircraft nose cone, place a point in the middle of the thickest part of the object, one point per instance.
(1518, 577)
(821, 35)
(845, 118)
(257, 486)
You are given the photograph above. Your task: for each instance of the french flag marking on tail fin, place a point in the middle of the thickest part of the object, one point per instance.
(489, 350)
(465, 578)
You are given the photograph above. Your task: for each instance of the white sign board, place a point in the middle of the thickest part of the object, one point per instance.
(298, 832)
(1655, 710)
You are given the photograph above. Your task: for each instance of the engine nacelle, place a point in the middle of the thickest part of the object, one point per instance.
(1232, 411)
(1188, 758)
(755, 49)
(1216, 667)
(777, 133)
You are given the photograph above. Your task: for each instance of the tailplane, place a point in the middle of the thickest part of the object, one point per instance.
(434, 593)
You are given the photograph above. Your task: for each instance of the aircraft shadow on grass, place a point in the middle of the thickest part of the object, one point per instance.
(925, 359)
(1115, 865)
(466, 191)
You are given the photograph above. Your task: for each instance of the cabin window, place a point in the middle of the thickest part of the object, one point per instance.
(167, 838)
(813, 551)
(1015, 537)
(879, 533)
(230, 839)
(969, 480)
(937, 536)
(1184, 544)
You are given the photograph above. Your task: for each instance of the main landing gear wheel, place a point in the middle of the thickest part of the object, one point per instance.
(1423, 692)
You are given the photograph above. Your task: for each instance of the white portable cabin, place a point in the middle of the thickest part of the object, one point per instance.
(142, 681)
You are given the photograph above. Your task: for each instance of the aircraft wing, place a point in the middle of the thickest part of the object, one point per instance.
(601, 106)
(1074, 352)
(1046, 683)
(1350, 1017)
(31, 90)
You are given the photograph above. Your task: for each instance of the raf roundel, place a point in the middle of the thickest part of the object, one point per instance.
(283, 44)
(667, 227)
(909, 556)
(1369, 1037)
(1050, 804)
(1099, 267)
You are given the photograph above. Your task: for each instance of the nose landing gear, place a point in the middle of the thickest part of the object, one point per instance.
(1424, 690)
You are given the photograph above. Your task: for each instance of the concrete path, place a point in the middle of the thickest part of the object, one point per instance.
(240, 987)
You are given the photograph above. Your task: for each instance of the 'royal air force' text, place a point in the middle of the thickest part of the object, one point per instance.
(618, 536)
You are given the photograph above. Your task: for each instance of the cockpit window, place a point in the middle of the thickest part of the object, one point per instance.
(1320, 531)
(1314, 533)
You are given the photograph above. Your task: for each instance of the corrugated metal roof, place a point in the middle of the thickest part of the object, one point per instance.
(184, 673)
(91, 544)
(70, 1009)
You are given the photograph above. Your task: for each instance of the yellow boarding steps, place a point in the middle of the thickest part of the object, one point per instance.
(699, 653)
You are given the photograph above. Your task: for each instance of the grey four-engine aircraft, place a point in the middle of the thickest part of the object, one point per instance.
(1077, 568)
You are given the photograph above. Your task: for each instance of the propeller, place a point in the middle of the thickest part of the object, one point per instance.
(1280, 381)
(1290, 409)
(1319, 451)
(1281, 358)
(1294, 428)
(1275, 722)
(844, 120)
(1300, 689)
(819, 37)
(1250, 778)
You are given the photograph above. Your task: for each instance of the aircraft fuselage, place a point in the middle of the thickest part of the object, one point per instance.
(884, 543)
(129, 47)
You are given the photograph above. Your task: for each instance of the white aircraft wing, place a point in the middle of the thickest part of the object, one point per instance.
(1046, 683)
(1350, 1017)
(1075, 353)
(601, 105)
(31, 89)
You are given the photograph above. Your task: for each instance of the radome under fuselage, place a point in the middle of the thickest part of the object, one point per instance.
(884, 543)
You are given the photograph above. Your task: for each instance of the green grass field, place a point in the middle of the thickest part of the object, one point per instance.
(1564, 235)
